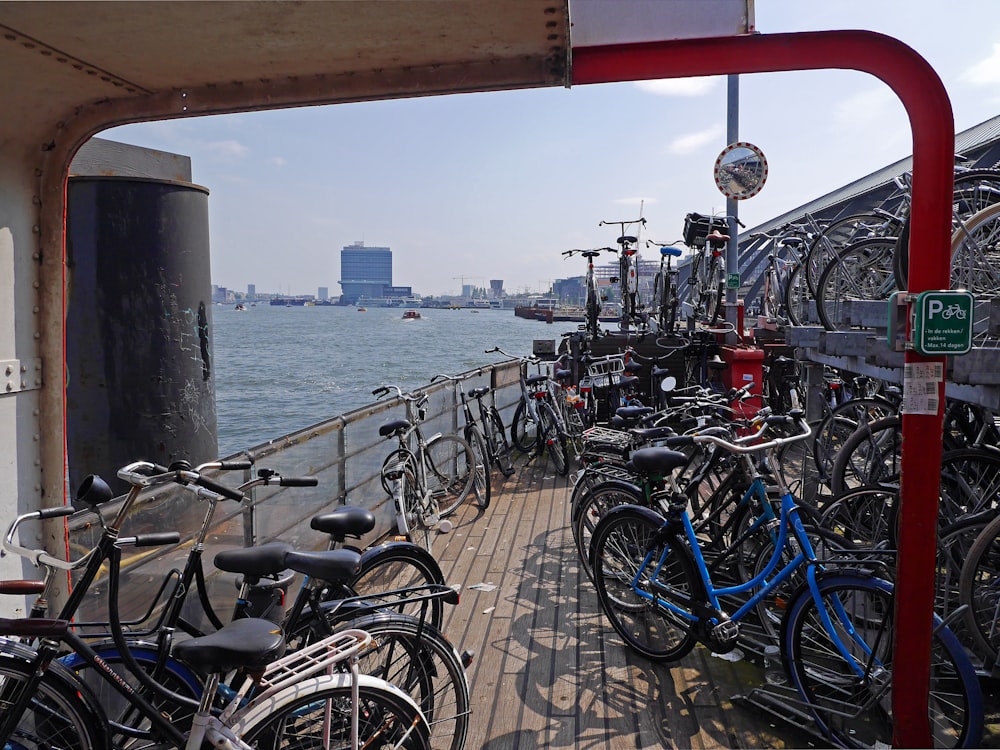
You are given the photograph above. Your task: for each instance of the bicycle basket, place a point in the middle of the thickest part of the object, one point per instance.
(599, 373)
(697, 227)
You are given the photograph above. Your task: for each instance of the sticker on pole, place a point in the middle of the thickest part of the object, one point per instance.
(942, 322)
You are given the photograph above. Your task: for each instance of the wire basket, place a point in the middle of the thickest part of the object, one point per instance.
(599, 373)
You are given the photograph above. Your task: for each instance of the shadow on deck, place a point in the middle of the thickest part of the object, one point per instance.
(550, 672)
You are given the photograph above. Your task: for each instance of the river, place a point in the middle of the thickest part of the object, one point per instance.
(281, 369)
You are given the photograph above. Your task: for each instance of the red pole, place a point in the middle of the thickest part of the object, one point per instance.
(929, 110)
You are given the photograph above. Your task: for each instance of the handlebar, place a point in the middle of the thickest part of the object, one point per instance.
(146, 474)
(747, 444)
(530, 358)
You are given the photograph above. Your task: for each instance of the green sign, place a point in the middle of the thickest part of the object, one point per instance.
(942, 322)
(732, 281)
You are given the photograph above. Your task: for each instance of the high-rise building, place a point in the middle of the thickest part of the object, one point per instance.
(323, 293)
(364, 271)
(251, 291)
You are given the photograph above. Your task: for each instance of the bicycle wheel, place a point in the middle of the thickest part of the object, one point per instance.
(975, 252)
(523, 430)
(863, 517)
(862, 271)
(593, 311)
(397, 565)
(481, 482)
(622, 569)
(851, 702)
(592, 506)
(838, 235)
(410, 518)
(871, 455)
(839, 424)
(970, 483)
(388, 719)
(798, 297)
(711, 290)
(979, 590)
(62, 713)
(450, 471)
(172, 675)
(974, 192)
(419, 659)
(554, 439)
(496, 435)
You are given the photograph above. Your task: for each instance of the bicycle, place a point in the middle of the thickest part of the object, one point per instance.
(593, 303)
(665, 297)
(836, 636)
(410, 650)
(429, 480)
(706, 279)
(628, 275)
(536, 426)
(46, 702)
(474, 436)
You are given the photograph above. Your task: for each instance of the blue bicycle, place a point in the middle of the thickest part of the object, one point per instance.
(836, 631)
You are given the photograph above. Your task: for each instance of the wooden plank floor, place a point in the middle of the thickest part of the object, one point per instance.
(549, 671)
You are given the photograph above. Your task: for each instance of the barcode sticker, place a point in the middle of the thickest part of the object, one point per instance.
(921, 383)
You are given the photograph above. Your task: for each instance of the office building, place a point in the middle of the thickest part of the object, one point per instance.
(364, 272)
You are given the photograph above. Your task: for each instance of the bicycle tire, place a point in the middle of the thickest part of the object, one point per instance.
(171, 674)
(397, 565)
(500, 447)
(711, 290)
(871, 455)
(840, 233)
(450, 471)
(410, 521)
(593, 312)
(554, 440)
(62, 711)
(975, 261)
(322, 718)
(863, 517)
(523, 430)
(829, 686)
(419, 659)
(617, 553)
(798, 297)
(481, 482)
(970, 483)
(974, 191)
(979, 590)
(593, 506)
(839, 424)
(862, 271)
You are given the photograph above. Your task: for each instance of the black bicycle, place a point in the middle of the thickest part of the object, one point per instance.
(665, 297)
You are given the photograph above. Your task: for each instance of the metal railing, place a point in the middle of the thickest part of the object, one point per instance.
(344, 454)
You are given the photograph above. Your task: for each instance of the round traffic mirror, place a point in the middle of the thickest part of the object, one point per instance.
(740, 170)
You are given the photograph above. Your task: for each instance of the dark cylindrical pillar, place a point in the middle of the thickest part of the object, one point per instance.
(139, 370)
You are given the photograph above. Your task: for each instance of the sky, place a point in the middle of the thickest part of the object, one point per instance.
(471, 187)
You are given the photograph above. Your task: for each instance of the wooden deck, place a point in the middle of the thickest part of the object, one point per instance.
(549, 671)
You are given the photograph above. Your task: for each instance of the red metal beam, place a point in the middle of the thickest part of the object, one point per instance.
(929, 110)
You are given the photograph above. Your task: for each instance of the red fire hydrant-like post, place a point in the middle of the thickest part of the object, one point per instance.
(929, 110)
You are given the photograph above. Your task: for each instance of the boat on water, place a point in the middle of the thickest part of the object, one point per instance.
(411, 315)
(240, 307)
(362, 309)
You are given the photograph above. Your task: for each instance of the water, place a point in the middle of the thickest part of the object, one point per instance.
(281, 369)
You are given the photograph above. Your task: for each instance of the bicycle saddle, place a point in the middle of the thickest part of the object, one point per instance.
(343, 522)
(335, 566)
(716, 237)
(254, 562)
(250, 643)
(391, 428)
(536, 379)
(627, 240)
(479, 392)
(657, 460)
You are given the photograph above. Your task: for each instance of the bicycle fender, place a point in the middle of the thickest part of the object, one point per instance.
(261, 708)
(69, 680)
(142, 651)
(619, 484)
(649, 513)
(373, 554)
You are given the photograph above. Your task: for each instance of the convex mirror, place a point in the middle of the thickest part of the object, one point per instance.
(740, 170)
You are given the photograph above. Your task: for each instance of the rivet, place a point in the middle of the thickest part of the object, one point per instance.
(9, 370)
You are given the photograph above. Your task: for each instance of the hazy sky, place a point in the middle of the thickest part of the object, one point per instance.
(497, 185)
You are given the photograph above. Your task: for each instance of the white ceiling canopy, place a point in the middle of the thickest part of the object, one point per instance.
(597, 22)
